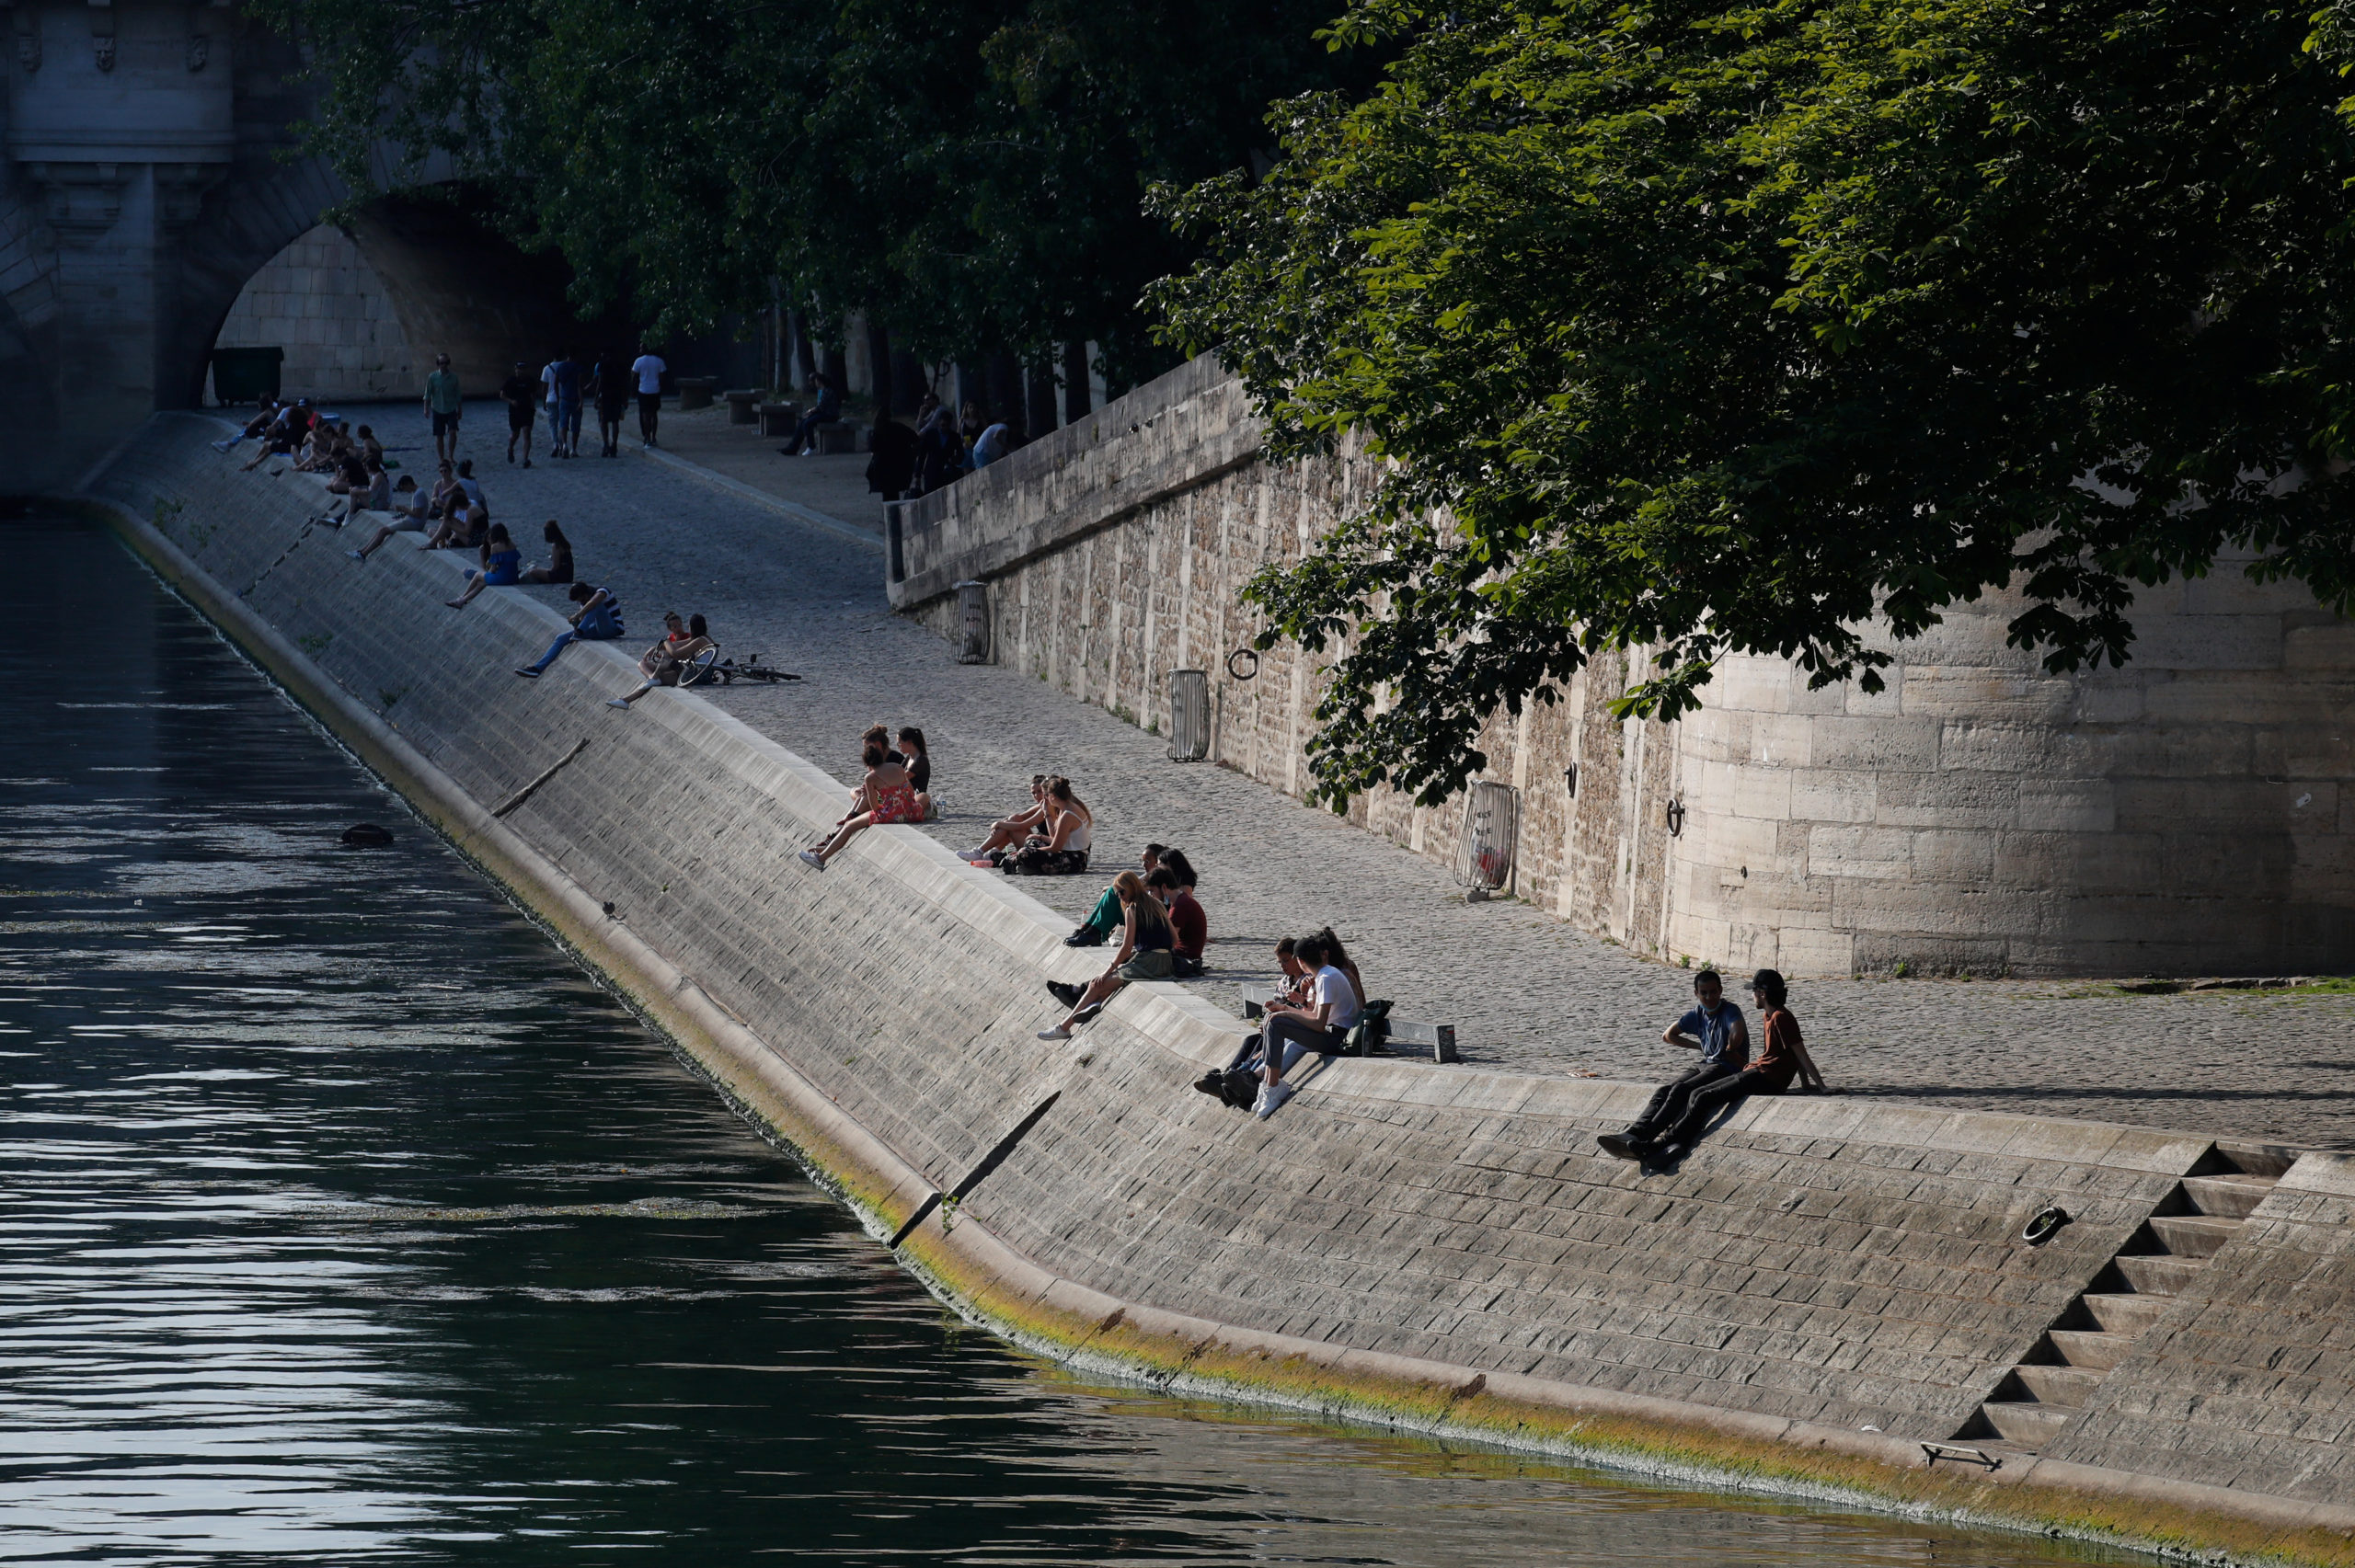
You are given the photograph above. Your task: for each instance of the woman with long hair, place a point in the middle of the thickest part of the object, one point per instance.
(1070, 829)
(884, 796)
(1145, 941)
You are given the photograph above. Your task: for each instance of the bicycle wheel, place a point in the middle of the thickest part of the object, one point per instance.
(694, 672)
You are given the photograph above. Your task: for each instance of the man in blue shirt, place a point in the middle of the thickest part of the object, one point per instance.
(1715, 1028)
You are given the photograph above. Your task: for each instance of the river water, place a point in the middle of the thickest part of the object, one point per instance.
(342, 1218)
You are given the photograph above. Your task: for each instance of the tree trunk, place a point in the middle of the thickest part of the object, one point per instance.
(1040, 413)
(910, 381)
(1076, 401)
(1002, 373)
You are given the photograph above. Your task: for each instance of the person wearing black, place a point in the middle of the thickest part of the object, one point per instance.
(611, 388)
(893, 467)
(1783, 1058)
(1714, 1028)
(521, 395)
(919, 763)
(827, 411)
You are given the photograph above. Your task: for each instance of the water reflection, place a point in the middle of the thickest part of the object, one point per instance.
(343, 1218)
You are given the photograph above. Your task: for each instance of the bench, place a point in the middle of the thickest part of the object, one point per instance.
(778, 419)
(740, 408)
(1384, 1034)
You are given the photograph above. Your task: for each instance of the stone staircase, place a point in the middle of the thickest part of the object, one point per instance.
(2095, 1332)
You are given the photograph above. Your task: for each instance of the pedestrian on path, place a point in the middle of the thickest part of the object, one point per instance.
(611, 388)
(516, 392)
(445, 402)
(649, 370)
(567, 375)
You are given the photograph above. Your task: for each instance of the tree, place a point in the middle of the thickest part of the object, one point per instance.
(971, 174)
(1696, 329)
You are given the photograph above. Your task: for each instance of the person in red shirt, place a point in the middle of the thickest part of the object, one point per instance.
(1781, 1058)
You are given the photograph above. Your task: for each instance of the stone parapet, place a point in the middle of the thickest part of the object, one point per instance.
(1824, 1284)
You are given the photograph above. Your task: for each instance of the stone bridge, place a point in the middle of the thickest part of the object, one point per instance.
(149, 174)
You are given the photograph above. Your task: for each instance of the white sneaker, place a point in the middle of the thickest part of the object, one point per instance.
(1057, 1033)
(1271, 1096)
(617, 702)
(811, 857)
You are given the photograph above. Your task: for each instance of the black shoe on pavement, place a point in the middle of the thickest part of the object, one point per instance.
(1085, 936)
(1621, 1145)
(1065, 992)
(1212, 1083)
(1667, 1154)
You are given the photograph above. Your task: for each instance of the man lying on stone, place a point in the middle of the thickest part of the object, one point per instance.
(1714, 1028)
(1009, 832)
(596, 618)
(283, 434)
(254, 426)
(664, 662)
(1783, 1058)
(1146, 940)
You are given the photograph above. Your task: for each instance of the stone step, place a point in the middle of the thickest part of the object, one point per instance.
(2156, 1273)
(2123, 1316)
(2193, 1236)
(2029, 1425)
(2067, 1388)
(2087, 1347)
(2226, 1198)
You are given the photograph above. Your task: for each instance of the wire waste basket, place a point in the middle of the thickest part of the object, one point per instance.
(1487, 848)
(973, 623)
(1189, 715)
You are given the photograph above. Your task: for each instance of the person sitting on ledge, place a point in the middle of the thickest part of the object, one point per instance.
(1105, 917)
(464, 528)
(596, 618)
(283, 434)
(501, 564)
(1321, 1024)
(270, 411)
(1070, 828)
(884, 796)
(1145, 944)
(559, 566)
(1186, 920)
(919, 766)
(407, 507)
(1770, 1072)
(663, 663)
(1010, 830)
(1714, 1028)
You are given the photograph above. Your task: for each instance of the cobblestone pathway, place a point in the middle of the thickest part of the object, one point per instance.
(1524, 991)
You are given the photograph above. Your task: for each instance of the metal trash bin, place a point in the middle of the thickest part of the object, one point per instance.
(245, 375)
(973, 623)
(1486, 848)
(1189, 715)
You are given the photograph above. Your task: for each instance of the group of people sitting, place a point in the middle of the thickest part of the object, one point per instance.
(897, 787)
(1050, 838)
(1162, 931)
(1727, 1073)
(944, 445)
(453, 515)
(1320, 998)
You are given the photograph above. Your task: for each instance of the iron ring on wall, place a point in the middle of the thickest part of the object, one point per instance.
(1243, 663)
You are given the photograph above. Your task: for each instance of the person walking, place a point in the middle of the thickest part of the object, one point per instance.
(649, 370)
(611, 388)
(568, 378)
(445, 403)
(516, 392)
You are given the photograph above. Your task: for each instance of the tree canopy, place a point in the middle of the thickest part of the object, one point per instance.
(971, 175)
(1701, 329)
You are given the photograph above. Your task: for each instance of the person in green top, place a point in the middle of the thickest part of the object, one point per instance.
(444, 401)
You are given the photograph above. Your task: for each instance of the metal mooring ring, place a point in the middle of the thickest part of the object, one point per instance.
(1243, 663)
(1676, 819)
(2045, 1226)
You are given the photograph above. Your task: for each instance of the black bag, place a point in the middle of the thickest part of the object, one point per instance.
(1366, 1037)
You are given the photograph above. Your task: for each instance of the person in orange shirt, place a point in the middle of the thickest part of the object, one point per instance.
(1782, 1058)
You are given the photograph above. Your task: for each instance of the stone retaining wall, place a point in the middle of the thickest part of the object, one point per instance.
(2185, 815)
(1820, 1286)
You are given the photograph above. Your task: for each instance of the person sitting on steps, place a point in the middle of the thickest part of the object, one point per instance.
(1105, 917)
(1770, 1072)
(662, 664)
(1145, 953)
(596, 618)
(409, 517)
(1714, 1028)
(884, 796)
(501, 567)
(919, 766)
(1186, 918)
(1071, 829)
(1010, 830)
(1321, 1024)
(559, 566)
(1237, 1083)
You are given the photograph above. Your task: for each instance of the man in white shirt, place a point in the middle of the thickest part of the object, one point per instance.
(649, 370)
(1329, 1014)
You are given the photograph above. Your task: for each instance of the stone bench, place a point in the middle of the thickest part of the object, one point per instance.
(740, 408)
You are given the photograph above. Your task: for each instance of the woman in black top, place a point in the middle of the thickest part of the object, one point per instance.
(911, 746)
(559, 566)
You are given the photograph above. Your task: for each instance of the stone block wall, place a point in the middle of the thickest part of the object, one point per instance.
(1824, 1281)
(2181, 815)
(321, 301)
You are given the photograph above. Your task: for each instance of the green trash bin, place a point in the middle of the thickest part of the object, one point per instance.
(245, 375)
